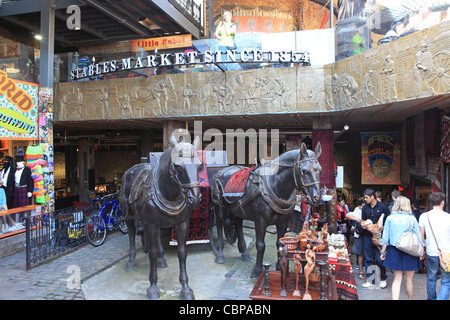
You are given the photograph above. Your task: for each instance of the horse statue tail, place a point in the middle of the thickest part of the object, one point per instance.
(123, 198)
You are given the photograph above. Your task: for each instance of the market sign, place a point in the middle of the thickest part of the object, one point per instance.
(189, 58)
(18, 108)
(179, 41)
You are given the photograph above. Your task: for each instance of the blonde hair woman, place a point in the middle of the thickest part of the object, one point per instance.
(401, 263)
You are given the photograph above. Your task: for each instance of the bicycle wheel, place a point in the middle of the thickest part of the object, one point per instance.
(118, 222)
(95, 229)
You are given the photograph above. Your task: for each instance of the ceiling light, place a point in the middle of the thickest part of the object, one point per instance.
(346, 127)
(38, 37)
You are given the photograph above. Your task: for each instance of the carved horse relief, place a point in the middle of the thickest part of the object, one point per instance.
(268, 198)
(162, 196)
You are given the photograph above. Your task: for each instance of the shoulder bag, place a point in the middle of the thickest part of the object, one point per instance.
(409, 243)
(444, 257)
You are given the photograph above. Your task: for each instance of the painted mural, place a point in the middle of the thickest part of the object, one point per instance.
(380, 158)
(18, 108)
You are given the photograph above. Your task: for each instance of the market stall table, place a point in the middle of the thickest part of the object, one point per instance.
(345, 279)
(341, 270)
(275, 285)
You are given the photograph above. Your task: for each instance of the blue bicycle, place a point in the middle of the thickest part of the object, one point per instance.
(108, 218)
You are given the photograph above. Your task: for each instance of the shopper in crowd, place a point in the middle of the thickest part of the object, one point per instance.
(358, 240)
(343, 225)
(379, 196)
(394, 194)
(400, 220)
(415, 207)
(372, 211)
(434, 227)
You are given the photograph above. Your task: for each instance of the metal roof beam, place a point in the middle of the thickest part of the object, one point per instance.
(115, 16)
(29, 6)
(177, 16)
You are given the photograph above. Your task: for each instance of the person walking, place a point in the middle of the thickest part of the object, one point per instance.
(394, 195)
(343, 225)
(434, 227)
(400, 220)
(358, 240)
(372, 211)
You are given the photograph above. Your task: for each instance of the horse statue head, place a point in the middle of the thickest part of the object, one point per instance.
(185, 167)
(309, 172)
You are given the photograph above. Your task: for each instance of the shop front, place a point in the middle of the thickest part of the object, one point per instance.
(23, 172)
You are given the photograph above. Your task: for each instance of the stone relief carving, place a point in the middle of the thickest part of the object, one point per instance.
(71, 103)
(345, 90)
(412, 67)
(188, 94)
(371, 88)
(161, 90)
(103, 97)
(389, 80)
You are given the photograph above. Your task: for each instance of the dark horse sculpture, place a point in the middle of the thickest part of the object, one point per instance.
(162, 196)
(269, 198)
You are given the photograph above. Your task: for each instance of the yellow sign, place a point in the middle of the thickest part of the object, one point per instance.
(16, 122)
(180, 41)
(14, 94)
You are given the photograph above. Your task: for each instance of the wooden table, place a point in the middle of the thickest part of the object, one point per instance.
(275, 285)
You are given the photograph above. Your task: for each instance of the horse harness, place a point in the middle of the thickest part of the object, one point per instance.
(264, 189)
(149, 180)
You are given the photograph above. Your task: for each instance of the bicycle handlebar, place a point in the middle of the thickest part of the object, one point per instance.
(113, 195)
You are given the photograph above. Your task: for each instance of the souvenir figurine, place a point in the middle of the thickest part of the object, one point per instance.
(298, 267)
(310, 256)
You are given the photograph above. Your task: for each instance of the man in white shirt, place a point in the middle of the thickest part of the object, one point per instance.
(438, 231)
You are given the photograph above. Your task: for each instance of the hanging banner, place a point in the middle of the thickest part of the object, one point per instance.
(380, 153)
(18, 108)
(445, 139)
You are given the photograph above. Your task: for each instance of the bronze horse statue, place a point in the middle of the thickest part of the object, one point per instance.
(162, 196)
(269, 198)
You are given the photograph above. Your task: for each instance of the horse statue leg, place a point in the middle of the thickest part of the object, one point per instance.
(131, 264)
(161, 261)
(260, 231)
(181, 231)
(242, 246)
(281, 231)
(152, 232)
(220, 258)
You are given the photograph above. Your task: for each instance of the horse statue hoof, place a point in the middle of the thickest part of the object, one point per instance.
(187, 294)
(255, 273)
(220, 259)
(246, 257)
(130, 266)
(161, 263)
(153, 293)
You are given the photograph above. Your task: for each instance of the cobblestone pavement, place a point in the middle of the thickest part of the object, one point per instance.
(57, 279)
(60, 278)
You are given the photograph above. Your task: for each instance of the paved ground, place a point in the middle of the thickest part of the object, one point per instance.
(90, 272)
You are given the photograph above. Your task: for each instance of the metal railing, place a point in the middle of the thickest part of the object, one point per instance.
(50, 235)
